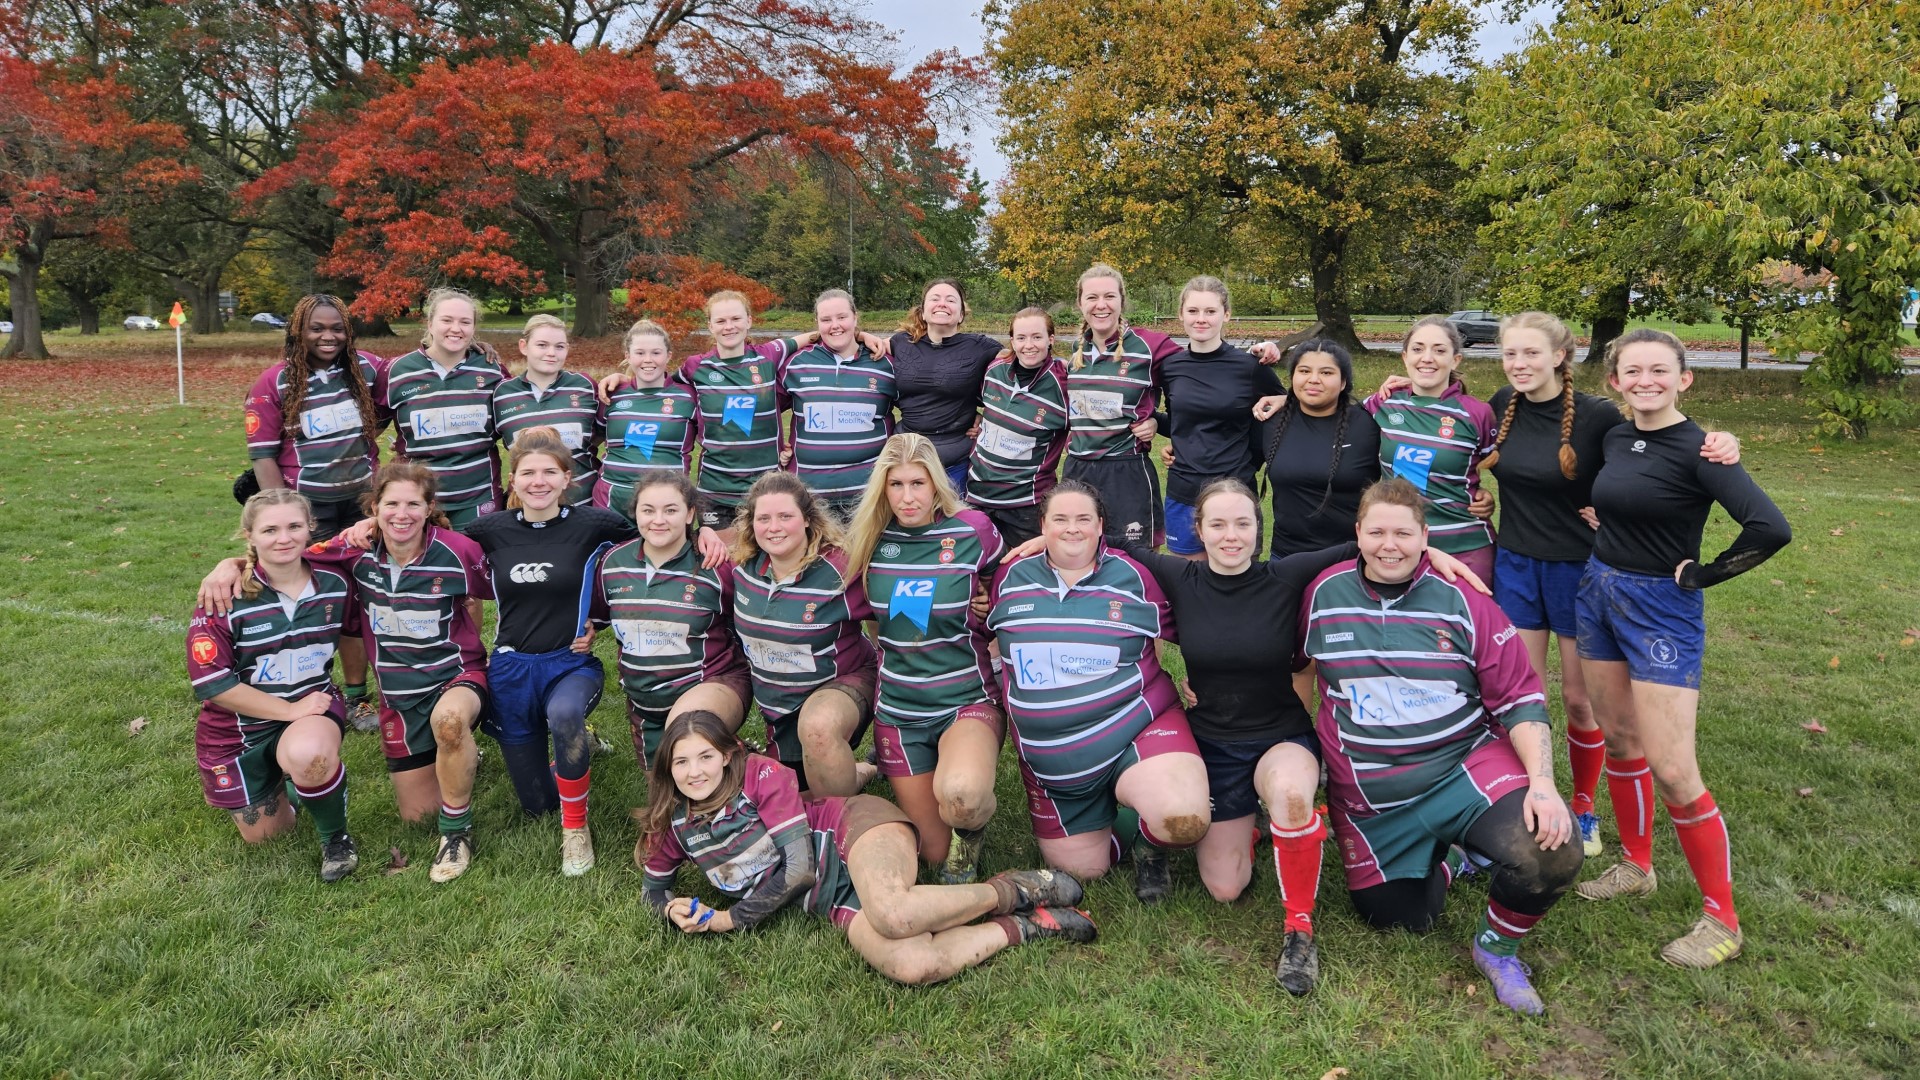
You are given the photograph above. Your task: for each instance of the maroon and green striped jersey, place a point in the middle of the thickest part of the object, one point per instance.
(740, 402)
(1410, 687)
(571, 406)
(842, 414)
(799, 634)
(278, 644)
(933, 648)
(326, 454)
(1113, 389)
(674, 622)
(1437, 444)
(649, 427)
(1023, 427)
(1078, 665)
(443, 419)
(415, 616)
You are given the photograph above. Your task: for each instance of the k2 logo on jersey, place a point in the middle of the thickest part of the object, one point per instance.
(913, 600)
(1414, 464)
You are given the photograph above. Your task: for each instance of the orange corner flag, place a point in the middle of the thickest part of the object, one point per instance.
(178, 317)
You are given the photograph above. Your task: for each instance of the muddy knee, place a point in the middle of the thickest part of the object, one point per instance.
(965, 808)
(890, 919)
(450, 730)
(1183, 830)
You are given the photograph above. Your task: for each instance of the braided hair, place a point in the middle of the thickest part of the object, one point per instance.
(1095, 272)
(1342, 406)
(1560, 342)
(300, 365)
(249, 584)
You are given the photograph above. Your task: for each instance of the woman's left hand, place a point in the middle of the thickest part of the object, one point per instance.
(1030, 547)
(1145, 429)
(1721, 448)
(1269, 405)
(359, 534)
(713, 550)
(1482, 505)
(1546, 815)
(982, 603)
(584, 643)
(1454, 570)
(878, 346)
(693, 917)
(1679, 572)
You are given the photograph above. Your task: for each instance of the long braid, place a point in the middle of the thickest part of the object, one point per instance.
(1506, 425)
(300, 365)
(1569, 461)
(249, 584)
(1344, 408)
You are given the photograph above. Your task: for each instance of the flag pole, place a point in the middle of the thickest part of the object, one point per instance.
(179, 318)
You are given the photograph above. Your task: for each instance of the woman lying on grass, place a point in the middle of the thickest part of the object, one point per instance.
(740, 818)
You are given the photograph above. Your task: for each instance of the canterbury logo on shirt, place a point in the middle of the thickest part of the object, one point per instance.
(530, 572)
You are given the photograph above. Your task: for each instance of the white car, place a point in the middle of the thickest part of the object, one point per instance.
(5, 327)
(141, 322)
(268, 319)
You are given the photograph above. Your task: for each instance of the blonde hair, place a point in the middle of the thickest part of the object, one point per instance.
(874, 513)
(540, 320)
(836, 294)
(642, 329)
(725, 295)
(823, 531)
(1094, 273)
(1206, 284)
(250, 513)
(439, 296)
(1560, 341)
(531, 443)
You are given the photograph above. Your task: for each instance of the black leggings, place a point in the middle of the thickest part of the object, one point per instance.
(568, 704)
(1526, 879)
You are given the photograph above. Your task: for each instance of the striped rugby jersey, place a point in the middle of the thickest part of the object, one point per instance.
(933, 648)
(1437, 444)
(1409, 688)
(326, 455)
(799, 634)
(740, 402)
(415, 615)
(571, 407)
(1109, 393)
(279, 645)
(1022, 433)
(673, 622)
(842, 414)
(648, 427)
(443, 419)
(1078, 666)
(740, 843)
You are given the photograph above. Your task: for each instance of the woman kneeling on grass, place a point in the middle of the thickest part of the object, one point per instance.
(740, 818)
(263, 672)
(1434, 731)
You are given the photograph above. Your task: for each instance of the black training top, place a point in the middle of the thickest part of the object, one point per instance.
(1539, 506)
(939, 388)
(1653, 495)
(1209, 416)
(1298, 467)
(1240, 641)
(543, 571)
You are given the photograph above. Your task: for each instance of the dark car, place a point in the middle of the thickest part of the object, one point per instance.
(1476, 327)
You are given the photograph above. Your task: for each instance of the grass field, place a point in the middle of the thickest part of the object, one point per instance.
(141, 938)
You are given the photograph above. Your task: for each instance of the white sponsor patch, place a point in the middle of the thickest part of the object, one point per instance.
(573, 436)
(778, 657)
(329, 420)
(832, 417)
(740, 871)
(453, 420)
(1095, 404)
(291, 667)
(1048, 665)
(391, 623)
(1334, 639)
(1391, 701)
(650, 637)
(1002, 443)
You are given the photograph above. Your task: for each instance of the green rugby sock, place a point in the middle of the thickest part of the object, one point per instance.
(455, 819)
(328, 804)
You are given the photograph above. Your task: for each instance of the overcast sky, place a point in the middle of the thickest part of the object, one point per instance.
(924, 27)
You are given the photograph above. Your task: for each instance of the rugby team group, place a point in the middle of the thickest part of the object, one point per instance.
(938, 538)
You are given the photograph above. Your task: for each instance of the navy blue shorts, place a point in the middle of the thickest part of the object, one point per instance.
(1230, 768)
(1538, 594)
(957, 476)
(1658, 628)
(1183, 535)
(522, 682)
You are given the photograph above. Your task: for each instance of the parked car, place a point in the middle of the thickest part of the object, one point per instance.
(141, 322)
(268, 319)
(1476, 327)
(5, 327)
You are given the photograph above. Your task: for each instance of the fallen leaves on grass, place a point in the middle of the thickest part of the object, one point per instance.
(396, 861)
(777, 1025)
(1908, 637)
(136, 725)
(1333, 1074)
(1815, 727)
(1805, 793)
(1834, 663)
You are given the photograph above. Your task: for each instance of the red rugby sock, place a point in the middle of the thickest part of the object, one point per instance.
(1586, 754)
(1703, 837)
(1630, 786)
(1296, 863)
(573, 799)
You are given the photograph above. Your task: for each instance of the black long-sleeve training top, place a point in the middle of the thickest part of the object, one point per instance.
(1209, 415)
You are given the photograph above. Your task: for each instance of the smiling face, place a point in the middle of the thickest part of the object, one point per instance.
(837, 323)
(1430, 360)
(279, 534)
(401, 513)
(1391, 539)
(697, 768)
(545, 350)
(326, 334)
(1204, 317)
(779, 528)
(662, 514)
(540, 481)
(1527, 356)
(1072, 529)
(1650, 377)
(1317, 382)
(1230, 531)
(1032, 341)
(728, 322)
(647, 357)
(941, 308)
(1101, 306)
(910, 495)
(451, 328)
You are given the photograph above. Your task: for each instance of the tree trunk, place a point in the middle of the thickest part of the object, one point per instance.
(1331, 305)
(87, 311)
(23, 283)
(591, 300)
(377, 326)
(1609, 322)
(516, 305)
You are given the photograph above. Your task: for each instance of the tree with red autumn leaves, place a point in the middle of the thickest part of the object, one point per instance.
(490, 168)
